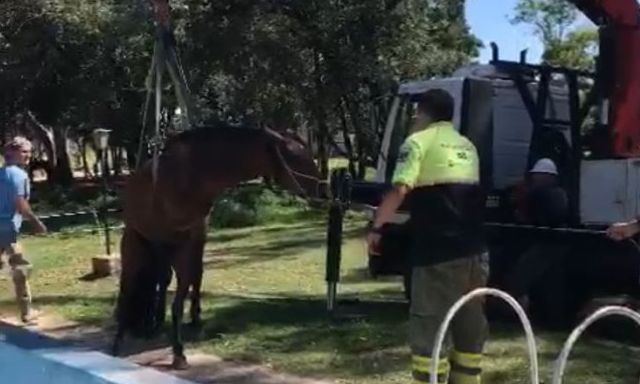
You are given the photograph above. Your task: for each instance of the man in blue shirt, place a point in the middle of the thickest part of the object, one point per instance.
(14, 206)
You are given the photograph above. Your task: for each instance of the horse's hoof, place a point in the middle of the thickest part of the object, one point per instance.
(180, 363)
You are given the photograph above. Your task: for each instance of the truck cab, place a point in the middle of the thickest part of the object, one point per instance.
(515, 116)
(516, 113)
(491, 113)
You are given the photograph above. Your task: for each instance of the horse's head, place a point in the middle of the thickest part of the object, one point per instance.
(213, 158)
(295, 169)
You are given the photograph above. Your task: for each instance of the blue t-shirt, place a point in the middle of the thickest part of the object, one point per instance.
(14, 182)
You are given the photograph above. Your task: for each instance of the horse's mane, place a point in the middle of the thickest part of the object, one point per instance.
(225, 132)
(217, 131)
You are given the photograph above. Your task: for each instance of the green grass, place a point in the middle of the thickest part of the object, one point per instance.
(264, 302)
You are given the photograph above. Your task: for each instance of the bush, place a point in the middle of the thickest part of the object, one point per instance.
(50, 199)
(256, 204)
(245, 206)
(56, 199)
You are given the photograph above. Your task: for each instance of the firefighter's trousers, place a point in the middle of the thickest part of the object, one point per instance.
(434, 290)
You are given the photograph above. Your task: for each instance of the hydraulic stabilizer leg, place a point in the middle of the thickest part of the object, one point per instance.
(340, 185)
(334, 250)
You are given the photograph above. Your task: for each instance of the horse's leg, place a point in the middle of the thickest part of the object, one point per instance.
(196, 256)
(164, 280)
(196, 310)
(182, 267)
(162, 296)
(132, 249)
(179, 359)
(117, 340)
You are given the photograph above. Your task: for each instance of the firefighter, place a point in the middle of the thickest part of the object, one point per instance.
(544, 203)
(438, 172)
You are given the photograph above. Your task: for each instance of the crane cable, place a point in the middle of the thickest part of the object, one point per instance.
(164, 57)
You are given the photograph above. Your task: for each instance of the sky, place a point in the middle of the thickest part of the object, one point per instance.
(489, 21)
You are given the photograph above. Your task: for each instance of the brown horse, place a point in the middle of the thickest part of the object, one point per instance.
(166, 217)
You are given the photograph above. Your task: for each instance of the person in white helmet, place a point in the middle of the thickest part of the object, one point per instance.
(545, 201)
(544, 167)
(546, 205)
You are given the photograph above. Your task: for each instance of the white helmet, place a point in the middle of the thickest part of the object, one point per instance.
(545, 166)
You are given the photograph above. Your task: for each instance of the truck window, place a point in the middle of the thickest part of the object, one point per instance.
(403, 121)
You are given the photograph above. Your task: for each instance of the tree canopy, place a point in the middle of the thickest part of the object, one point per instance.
(554, 23)
(322, 68)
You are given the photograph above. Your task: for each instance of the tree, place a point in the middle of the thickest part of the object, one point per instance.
(319, 64)
(71, 66)
(577, 50)
(553, 22)
(322, 68)
(551, 19)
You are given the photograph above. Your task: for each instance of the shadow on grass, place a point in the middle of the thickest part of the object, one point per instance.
(315, 225)
(298, 329)
(221, 236)
(362, 275)
(53, 300)
(217, 236)
(282, 217)
(93, 276)
(376, 344)
(95, 329)
(290, 243)
(302, 326)
(277, 325)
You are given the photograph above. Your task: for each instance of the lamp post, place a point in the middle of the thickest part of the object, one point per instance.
(101, 141)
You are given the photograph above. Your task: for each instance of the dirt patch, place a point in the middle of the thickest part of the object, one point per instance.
(204, 368)
(211, 369)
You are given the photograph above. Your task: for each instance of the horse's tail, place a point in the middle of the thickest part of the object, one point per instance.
(145, 274)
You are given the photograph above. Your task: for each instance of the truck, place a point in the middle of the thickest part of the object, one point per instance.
(516, 113)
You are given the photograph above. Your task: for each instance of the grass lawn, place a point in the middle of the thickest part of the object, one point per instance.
(264, 302)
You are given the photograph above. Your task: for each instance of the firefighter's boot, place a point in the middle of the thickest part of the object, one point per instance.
(465, 368)
(421, 369)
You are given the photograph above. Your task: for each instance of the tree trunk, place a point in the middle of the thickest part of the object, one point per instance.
(323, 156)
(117, 161)
(310, 139)
(77, 156)
(62, 173)
(46, 136)
(132, 153)
(103, 163)
(85, 163)
(321, 120)
(347, 140)
(360, 138)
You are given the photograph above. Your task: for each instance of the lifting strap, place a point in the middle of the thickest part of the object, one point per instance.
(165, 57)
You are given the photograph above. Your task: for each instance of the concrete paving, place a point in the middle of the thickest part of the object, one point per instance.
(88, 346)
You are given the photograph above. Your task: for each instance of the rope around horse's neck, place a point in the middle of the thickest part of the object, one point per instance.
(291, 173)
